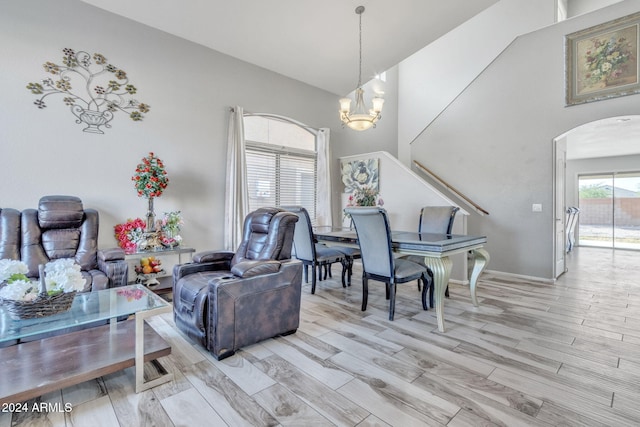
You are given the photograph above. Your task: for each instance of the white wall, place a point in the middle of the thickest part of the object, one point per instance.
(404, 193)
(381, 138)
(189, 88)
(594, 166)
(432, 77)
(403, 207)
(578, 7)
(495, 141)
(578, 167)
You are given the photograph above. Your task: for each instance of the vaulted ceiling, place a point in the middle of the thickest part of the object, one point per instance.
(315, 42)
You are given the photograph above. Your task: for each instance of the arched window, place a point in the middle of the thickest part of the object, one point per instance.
(282, 163)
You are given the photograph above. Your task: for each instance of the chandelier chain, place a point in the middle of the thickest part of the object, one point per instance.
(360, 118)
(360, 53)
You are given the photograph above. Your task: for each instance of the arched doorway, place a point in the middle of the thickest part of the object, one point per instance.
(595, 154)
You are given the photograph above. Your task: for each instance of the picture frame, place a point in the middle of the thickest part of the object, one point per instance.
(602, 61)
(358, 174)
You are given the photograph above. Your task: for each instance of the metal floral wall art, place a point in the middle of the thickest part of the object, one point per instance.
(93, 88)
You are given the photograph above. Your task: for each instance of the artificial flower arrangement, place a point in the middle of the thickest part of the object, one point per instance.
(61, 276)
(364, 196)
(150, 178)
(129, 234)
(170, 228)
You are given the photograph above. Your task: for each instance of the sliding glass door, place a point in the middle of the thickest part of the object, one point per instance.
(609, 210)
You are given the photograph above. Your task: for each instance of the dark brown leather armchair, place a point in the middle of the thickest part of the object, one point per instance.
(228, 300)
(62, 228)
(9, 234)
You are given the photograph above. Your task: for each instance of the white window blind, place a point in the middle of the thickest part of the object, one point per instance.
(281, 176)
(281, 164)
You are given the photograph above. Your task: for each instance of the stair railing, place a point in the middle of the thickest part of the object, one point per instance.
(443, 183)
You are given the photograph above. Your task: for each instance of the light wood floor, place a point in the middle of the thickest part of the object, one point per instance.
(532, 354)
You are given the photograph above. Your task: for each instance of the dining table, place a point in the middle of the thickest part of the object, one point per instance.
(436, 250)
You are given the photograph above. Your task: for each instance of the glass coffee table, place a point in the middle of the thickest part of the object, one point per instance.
(88, 341)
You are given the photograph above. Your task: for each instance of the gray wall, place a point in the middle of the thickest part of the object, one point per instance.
(382, 138)
(434, 76)
(495, 142)
(593, 166)
(189, 88)
(578, 7)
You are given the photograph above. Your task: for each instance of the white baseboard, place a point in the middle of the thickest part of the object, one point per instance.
(519, 276)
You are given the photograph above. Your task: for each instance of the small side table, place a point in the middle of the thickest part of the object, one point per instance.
(150, 280)
(165, 285)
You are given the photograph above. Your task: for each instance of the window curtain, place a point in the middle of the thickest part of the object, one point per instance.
(323, 211)
(237, 193)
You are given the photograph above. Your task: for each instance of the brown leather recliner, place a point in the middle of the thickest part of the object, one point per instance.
(9, 234)
(229, 300)
(62, 228)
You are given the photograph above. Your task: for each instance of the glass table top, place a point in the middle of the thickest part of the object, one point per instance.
(161, 251)
(87, 307)
(427, 242)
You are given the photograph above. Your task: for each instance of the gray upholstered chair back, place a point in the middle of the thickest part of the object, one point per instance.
(437, 219)
(374, 237)
(303, 244)
(267, 235)
(9, 234)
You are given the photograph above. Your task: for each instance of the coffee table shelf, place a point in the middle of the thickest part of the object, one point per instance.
(40, 362)
(37, 367)
(164, 278)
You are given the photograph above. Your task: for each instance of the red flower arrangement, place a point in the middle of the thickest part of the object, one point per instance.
(129, 233)
(131, 294)
(150, 178)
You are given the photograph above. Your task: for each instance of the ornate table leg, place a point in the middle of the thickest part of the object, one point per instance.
(441, 268)
(481, 260)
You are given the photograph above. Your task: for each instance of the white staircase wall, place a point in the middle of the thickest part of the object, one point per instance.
(404, 193)
(495, 141)
(428, 83)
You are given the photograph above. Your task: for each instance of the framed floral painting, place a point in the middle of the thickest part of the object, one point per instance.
(602, 61)
(358, 174)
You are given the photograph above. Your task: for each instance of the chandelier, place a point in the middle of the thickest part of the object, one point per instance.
(359, 118)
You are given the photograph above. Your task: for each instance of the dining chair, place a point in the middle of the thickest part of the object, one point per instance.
(572, 221)
(378, 262)
(350, 254)
(311, 253)
(438, 220)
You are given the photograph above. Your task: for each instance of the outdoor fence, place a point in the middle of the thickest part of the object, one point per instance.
(601, 211)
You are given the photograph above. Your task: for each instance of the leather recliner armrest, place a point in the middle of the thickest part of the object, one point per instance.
(203, 261)
(116, 270)
(255, 268)
(111, 254)
(212, 256)
(248, 310)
